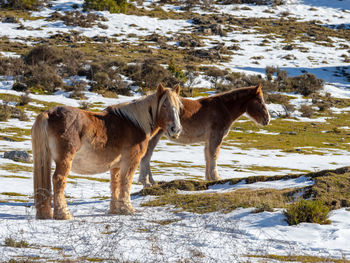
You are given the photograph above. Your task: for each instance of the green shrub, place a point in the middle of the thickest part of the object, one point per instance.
(310, 211)
(176, 71)
(113, 6)
(22, 4)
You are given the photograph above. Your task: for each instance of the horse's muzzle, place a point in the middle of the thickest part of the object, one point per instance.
(174, 131)
(265, 121)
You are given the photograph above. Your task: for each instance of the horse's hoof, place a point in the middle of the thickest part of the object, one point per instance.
(147, 185)
(63, 216)
(44, 215)
(122, 211)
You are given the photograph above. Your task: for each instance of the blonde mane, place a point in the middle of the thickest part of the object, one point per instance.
(141, 112)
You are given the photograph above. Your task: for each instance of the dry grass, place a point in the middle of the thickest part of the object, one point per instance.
(331, 187)
(224, 202)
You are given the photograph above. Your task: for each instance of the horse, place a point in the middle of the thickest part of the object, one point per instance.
(209, 120)
(95, 142)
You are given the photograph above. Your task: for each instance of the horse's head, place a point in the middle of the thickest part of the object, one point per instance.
(169, 107)
(256, 108)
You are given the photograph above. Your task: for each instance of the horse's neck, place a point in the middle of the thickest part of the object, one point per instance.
(141, 113)
(236, 101)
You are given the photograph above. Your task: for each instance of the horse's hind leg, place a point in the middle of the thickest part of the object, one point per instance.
(146, 177)
(59, 183)
(212, 149)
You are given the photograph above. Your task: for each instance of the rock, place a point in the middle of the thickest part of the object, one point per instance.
(10, 19)
(18, 156)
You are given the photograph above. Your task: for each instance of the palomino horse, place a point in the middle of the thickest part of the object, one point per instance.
(209, 120)
(89, 143)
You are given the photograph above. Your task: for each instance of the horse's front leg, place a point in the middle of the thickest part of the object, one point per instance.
(128, 164)
(212, 149)
(115, 173)
(146, 177)
(59, 183)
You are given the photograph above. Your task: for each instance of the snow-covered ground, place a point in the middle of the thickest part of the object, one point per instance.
(212, 237)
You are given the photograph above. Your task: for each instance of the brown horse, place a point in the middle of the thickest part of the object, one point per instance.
(209, 120)
(89, 143)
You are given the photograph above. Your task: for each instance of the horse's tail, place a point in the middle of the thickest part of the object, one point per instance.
(42, 164)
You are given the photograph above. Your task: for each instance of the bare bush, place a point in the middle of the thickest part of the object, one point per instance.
(5, 112)
(42, 78)
(216, 76)
(43, 53)
(12, 66)
(305, 84)
(76, 18)
(84, 105)
(24, 99)
(77, 89)
(306, 111)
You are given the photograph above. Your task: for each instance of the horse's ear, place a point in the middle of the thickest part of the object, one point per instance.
(160, 90)
(258, 88)
(177, 89)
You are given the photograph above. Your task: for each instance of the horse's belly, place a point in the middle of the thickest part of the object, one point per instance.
(90, 162)
(187, 137)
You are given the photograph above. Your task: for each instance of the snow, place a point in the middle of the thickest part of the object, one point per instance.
(205, 238)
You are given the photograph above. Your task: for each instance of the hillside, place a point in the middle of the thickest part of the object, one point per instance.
(67, 53)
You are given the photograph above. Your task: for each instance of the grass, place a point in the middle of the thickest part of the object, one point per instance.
(162, 188)
(331, 187)
(158, 13)
(318, 135)
(305, 31)
(16, 176)
(14, 167)
(12, 194)
(15, 133)
(165, 221)
(25, 15)
(223, 202)
(10, 242)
